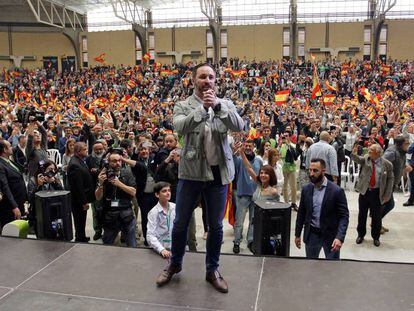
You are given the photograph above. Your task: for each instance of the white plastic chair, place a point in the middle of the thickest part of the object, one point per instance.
(54, 155)
(345, 170)
(355, 171)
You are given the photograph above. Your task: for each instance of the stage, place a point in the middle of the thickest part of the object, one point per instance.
(43, 275)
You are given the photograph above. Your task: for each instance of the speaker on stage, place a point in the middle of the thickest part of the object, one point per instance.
(271, 228)
(53, 215)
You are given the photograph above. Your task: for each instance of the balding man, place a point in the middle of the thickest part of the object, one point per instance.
(82, 189)
(323, 150)
(375, 185)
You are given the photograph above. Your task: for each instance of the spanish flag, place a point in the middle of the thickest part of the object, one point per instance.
(330, 87)
(367, 66)
(385, 69)
(281, 97)
(86, 113)
(316, 89)
(259, 80)
(88, 91)
(230, 207)
(239, 72)
(146, 57)
(131, 84)
(100, 58)
(329, 99)
(165, 72)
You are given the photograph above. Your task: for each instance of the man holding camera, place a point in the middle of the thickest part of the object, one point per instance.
(116, 189)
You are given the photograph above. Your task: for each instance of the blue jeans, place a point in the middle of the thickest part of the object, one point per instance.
(388, 206)
(128, 231)
(188, 193)
(244, 204)
(316, 243)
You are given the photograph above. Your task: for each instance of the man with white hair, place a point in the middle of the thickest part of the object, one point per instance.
(323, 150)
(375, 186)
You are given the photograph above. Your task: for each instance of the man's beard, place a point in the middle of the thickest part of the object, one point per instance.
(315, 180)
(99, 157)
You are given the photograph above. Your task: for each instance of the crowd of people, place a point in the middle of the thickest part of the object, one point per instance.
(115, 131)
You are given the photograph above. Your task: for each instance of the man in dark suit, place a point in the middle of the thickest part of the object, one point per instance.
(323, 211)
(12, 185)
(19, 154)
(81, 188)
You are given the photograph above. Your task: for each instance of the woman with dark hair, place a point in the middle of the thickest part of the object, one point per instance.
(266, 180)
(69, 152)
(45, 178)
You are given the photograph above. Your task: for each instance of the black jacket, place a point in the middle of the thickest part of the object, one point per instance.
(14, 191)
(20, 159)
(334, 216)
(80, 180)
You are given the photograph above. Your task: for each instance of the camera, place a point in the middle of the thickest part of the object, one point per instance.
(49, 174)
(36, 116)
(110, 174)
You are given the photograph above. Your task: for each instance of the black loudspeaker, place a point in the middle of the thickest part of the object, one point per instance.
(271, 228)
(53, 214)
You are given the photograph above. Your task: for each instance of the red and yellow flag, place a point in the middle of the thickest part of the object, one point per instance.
(146, 57)
(316, 88)
(131, 84)
(385, 69)
(281, 97)
(100, 58)
(329, 99)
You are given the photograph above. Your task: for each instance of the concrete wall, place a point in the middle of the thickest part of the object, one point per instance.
(35, 44)
(400, 39)
(259, 42)
(119, 47)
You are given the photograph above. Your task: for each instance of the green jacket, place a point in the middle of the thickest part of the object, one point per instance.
(189, 121)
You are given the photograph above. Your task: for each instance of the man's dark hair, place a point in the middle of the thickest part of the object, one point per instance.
(194, 73)
(321, 161)
(399, 140)
(159, 185)
(125, 143)
(3, 146)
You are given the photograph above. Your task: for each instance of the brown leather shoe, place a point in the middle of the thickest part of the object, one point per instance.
(215, 279)
(165, 276)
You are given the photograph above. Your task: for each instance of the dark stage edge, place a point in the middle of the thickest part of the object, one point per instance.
(45, 275)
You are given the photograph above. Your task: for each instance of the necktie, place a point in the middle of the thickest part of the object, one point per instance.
(372, 180)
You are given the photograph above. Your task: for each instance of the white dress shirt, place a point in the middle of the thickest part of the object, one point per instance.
(159, 227)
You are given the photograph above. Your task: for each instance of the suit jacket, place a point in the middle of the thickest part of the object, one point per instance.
(80, 180)
(19, 158)
(386, 179)
(334, 216)
(14, 191)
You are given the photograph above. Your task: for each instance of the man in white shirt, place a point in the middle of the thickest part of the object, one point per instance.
(160, 220)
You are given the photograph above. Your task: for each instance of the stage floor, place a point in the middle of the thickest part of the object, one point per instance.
(42, 275)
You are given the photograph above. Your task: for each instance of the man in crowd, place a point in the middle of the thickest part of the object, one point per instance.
(397, 155)
(115, 190)
(323, 150)
(375, 186)
(13, 187)
(245, 189)
(81, 188)
(323, 212)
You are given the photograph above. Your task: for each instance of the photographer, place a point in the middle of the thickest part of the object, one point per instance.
(44, 179)
(116, 188)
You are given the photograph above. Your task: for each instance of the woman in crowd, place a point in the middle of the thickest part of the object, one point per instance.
(69, 151)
